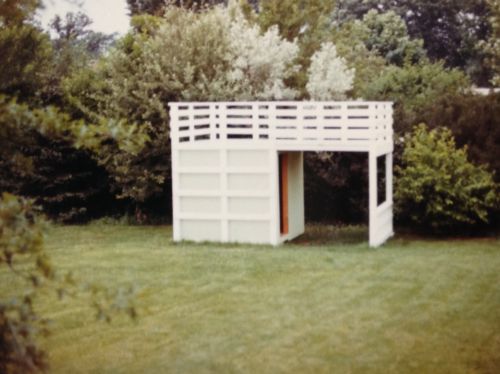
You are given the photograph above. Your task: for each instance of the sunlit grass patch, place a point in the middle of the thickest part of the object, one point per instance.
(333, 305)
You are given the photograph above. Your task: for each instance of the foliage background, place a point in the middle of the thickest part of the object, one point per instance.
(85, 116)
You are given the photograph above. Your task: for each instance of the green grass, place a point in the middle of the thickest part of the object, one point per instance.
(327, 305)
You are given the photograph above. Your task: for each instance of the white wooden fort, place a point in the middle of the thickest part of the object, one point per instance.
(237, 167)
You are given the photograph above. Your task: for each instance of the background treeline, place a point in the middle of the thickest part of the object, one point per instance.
(84, 116)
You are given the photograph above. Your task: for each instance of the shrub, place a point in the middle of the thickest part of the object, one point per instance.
(65, 165)
(21, 236)
(437, 187)
(39, 160)
(23, 255)
(413, 87)
(473, 120)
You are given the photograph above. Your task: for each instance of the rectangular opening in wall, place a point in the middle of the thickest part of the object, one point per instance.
(381, 190)
(283, 187)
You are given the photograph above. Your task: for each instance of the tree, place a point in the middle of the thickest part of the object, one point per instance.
(26, 56)
(47, 156)
(492, 47)
(25, 50)
(307, 22)
(75, 47)
(473, 120)
(23, 255)
(414, 88)
(218, 56)
(329, 78)
(74, 30)
(16, 12)
(451, 29)
(157, 7)
(387, 35)
(438, 188)
(21, 236)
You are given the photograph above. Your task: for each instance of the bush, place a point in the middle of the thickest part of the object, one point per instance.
(39, 160)
(413, 87)
(67, 166)
(438, 188)
(473, 120)
(22, 253)
(21, 236)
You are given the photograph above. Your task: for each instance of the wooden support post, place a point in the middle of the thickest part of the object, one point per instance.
(283, 160)
(372, 197)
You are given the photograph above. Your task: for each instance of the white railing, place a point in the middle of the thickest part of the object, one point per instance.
(356, 124)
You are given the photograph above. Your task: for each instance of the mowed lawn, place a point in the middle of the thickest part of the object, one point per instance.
(327, 306)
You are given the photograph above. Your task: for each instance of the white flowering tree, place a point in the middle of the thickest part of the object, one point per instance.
(260, 63)
(209, 55)
(329, 77)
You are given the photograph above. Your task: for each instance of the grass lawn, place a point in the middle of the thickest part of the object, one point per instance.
(327, 306)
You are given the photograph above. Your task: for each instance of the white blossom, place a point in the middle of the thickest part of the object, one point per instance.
(329, 77)
(260, 62)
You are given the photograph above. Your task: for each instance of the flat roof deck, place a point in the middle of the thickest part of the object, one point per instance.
(349, 126)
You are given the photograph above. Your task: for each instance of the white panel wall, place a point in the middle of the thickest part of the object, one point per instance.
(224, 195)
(381, 225)
(296, 224)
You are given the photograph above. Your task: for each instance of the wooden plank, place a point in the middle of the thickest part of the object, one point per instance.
(284, 193)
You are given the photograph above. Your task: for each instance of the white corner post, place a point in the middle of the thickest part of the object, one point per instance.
(372, 197)
(380, 216)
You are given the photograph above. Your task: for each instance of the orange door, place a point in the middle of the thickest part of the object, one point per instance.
(283, 176)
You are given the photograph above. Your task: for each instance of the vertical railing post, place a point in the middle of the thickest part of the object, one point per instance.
(372, 198)
(222, 122)
(344, 122)
(174, 125)
(255, 121)
(299, 122)
(212, 121)
(272, 122)
(174, 142)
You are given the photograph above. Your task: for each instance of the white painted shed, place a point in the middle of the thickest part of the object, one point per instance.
(237, 167)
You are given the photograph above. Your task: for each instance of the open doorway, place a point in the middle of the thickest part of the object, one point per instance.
(291, 194)
(361, 204)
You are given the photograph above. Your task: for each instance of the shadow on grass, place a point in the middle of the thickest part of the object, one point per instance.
(315, 235)
(321, 234)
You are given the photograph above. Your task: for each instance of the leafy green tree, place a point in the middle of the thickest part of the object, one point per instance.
(492, 46)
(308, 22)
(473, 120)
(26, 56)
(74, 48)
(387, 35)
(438, 188)
(49, 157)
(219, 55)
(21, 236)
(157, 7)
(74, 31)
(451, 29)
(23, 256)
(16, 12)
(413, 88)
(367, 64)
(24, 49)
